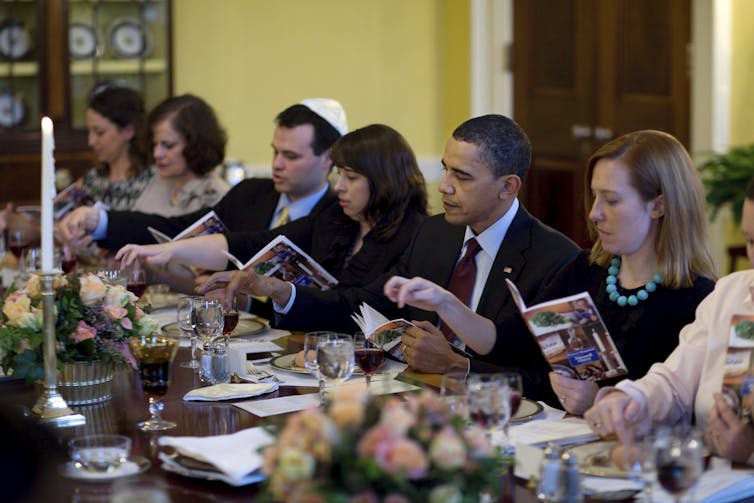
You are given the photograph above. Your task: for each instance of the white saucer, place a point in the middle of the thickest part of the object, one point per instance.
(134, 465)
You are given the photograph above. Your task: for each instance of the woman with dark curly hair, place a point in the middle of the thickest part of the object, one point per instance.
(187, 144)
(381, 202)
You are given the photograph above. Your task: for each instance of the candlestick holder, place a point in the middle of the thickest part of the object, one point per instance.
(50, 406)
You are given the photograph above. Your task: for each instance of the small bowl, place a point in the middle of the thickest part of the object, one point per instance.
(100, 453)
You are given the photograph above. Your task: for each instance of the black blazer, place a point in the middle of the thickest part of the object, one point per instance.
(247, 206)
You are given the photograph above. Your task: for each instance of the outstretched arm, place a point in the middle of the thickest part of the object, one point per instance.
(474, 330)
(202, 251)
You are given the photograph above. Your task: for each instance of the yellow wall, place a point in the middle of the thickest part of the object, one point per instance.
(742, 68)
(404, 63)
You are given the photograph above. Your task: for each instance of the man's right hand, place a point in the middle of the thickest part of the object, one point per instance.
(75, 226)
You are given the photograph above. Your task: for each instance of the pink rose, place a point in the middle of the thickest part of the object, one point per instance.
(375, 436)
(403, 456)
(115, 312)
(478, 442)
(125, 351)
(347, 413)
(397, 417)
(84, 332)
(447, 449)
(126, 323)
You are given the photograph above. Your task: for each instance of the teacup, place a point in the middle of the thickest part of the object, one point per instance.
(100, 453)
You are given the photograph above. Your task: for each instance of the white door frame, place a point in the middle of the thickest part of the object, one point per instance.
(709, 62)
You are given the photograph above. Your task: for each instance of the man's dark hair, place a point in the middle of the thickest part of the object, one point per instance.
(502, 144)
(297, 115)
(750, 189)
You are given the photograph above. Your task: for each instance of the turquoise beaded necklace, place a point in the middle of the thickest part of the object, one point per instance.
(631, 300)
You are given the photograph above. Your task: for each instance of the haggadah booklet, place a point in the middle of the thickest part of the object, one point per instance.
(738, 376)
(210, 223)
(282, 259)
(572, 336)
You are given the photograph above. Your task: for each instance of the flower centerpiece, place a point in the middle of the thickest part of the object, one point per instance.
(93, 321)
(369, 450)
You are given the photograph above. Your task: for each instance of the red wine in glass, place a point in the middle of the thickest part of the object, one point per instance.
(155, 376)
(515, 399)
(230, 321)
(17, 250)
(369, 359)
(137, 287)
(68, 265)
(676, 476)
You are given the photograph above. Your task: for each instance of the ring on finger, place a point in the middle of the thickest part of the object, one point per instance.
(597, 425)
(563, 399)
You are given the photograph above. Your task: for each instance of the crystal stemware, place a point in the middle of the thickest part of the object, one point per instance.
(455, 393)
(155, 354)
(335, 358)
(187, 325)
(678, 460)
(209, 324)
(369, 354)
(230, 316)
(311, 341)
(489, 401)
(136, 280)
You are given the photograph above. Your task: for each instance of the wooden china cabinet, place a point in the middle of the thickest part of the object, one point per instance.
(52, 53)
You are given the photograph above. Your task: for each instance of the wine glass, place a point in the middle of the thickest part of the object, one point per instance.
(513, 381)
(368, 353)
(68, 259)
(136, 279)
(17, 242)
(311, 341)
(155, 354)
(489, 401)
(454, 392)
(678, 460)
(335, 358)
(209, 324)
(230, 316)
(187, 325)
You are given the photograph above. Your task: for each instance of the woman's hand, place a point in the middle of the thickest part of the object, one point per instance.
(729, 436)
(417, 292)
(616, 413)
(153, 254)
(575, 395)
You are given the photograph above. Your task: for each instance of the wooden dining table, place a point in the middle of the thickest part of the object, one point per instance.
(129, 406)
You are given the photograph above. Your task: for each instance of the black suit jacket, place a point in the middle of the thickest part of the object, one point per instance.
(248, 206)
(530, 255)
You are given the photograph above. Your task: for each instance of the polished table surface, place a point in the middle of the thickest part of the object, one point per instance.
(129, 405)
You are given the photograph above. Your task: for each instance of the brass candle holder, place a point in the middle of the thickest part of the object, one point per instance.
(50, 406)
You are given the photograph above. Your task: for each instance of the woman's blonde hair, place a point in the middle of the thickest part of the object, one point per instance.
(660, 165)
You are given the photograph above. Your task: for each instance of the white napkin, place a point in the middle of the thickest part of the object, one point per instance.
(235, 455)
(560, 431)
(229, 391)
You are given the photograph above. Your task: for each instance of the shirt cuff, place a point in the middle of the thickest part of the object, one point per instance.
(284, 309)
(100, 232)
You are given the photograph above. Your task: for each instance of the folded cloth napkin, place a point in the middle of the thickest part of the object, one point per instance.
(235, 455)
(230, 391)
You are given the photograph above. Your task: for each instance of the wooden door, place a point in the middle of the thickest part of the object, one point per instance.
(586, 71)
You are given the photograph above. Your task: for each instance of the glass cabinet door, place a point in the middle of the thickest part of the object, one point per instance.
(19, 65)
(124, 42)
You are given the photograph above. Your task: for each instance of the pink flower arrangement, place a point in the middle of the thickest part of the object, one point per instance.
(368, 449)
(94, 320)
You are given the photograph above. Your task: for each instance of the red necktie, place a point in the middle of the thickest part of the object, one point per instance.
(462, 281)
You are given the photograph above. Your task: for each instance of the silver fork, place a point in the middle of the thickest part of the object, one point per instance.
(260, 374)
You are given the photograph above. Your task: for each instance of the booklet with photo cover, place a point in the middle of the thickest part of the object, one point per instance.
(572, 336)
(371, 321)
(210, 223)
(738, 376)
(284, 260)
(69, 199)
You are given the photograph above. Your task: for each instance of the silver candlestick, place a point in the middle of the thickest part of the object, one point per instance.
(50, 406)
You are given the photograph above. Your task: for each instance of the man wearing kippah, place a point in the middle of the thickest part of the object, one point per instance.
(301, 143)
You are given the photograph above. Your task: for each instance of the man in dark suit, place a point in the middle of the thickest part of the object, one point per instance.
(301, 163)
(485, 161)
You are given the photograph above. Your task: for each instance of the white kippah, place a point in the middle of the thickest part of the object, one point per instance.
(330, 110)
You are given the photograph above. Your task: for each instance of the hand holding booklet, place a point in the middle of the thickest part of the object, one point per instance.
(210, 223)
(572, 336)
(282, 259)
(371, 321)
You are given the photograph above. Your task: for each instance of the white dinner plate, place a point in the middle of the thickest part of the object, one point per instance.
(285, 362)
(527, 410)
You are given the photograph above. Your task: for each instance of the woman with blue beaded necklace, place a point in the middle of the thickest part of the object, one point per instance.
(648, 269)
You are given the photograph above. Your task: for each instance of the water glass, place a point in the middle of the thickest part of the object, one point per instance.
(186, 316)
(454, 392)
(311, 341)
(489, 401)
(100, 453)
(335, 358)
(113, 276)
